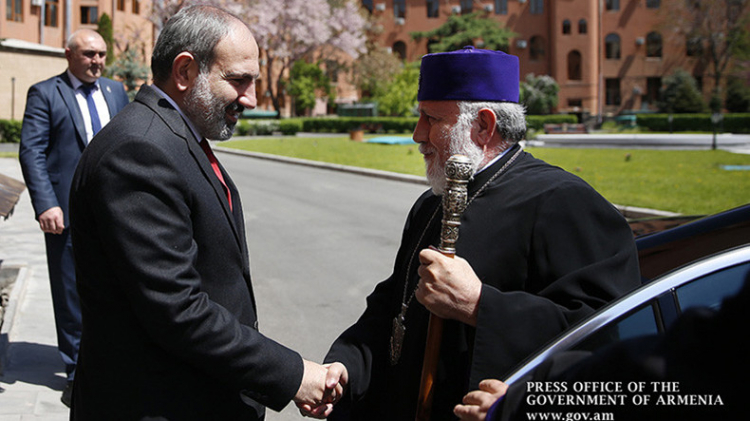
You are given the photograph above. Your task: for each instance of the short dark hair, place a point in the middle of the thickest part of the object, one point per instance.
(195, 29)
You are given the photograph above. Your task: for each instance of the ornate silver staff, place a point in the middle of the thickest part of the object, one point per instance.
(458, 171)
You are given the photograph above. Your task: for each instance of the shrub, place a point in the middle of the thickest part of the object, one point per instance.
(537, 122)
(290, 126)
(733, 123)
(10, 131)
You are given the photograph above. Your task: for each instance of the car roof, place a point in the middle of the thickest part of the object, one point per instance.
(630, 301)
(662, 252)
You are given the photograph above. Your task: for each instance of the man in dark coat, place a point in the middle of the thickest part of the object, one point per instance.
(170, 329)
(538, 250)
(62, 115)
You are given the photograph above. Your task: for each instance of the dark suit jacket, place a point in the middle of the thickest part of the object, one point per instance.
(169, 317)
(53, 136)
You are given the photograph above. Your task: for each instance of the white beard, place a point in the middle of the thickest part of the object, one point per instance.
(460, 144)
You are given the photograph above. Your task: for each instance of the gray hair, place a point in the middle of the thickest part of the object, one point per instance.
(511, 117)
(195, 29)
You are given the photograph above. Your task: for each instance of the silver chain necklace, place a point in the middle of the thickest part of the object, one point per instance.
(399, 327)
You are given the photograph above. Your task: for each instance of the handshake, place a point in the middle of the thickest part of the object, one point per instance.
(322, 386)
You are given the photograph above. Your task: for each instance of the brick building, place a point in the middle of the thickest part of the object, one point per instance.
(33, 34)
(608, 56)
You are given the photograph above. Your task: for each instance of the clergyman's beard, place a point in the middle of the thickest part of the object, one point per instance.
(207, 111)
(460, 143)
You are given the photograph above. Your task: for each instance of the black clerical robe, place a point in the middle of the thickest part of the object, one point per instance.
(549, 251)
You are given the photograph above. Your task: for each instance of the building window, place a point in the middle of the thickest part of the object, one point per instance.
(574, 66)
(583, 26)
(566, 27)
(367, 4)
(433, 8)
(121, 5)
(653, 85)
(612, 91)
(694, 47)
(653, 4)
(50, 16)
(467, 6)
(399, 49)
(89, 14)
(653, 44)
(501, 7)
(14, 10)
(612, 4)
(575, 103)
(537, 7)
(536, 48)
(399, 8)
(612, 46)
(136, 7)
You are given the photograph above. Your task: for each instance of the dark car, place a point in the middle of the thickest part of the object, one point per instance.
(696, 264)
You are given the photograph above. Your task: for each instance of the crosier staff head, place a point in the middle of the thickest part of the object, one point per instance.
(458, 172)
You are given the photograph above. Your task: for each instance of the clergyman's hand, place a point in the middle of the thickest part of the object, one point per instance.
(478, 402)
(321, 387)
(448, 287)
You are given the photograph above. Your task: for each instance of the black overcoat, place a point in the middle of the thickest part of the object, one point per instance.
(549, 251)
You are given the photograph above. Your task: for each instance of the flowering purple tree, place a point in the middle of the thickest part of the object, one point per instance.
(288, 30)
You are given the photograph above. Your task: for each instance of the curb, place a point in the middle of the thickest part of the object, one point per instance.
(631, 212)
(9, 317)
(324, 165)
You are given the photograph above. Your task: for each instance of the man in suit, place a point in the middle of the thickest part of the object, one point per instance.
(62, 115)
(170, 329)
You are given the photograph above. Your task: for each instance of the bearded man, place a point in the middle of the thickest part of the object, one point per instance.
(170, 328)
(538, 250)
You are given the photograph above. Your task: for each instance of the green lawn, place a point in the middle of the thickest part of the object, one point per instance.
(687, 182)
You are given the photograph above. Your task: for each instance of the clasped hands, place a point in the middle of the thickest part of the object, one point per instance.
(322, 386)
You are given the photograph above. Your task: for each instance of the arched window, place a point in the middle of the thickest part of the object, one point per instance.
(653, 44)
(574, 66)
(536, 48)
(612, 46)
(566, 27)
(583, 26)
(399, 48)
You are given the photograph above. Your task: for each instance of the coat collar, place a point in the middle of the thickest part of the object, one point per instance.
(68, 94)
(174, 120)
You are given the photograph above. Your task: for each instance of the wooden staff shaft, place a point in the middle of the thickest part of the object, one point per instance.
(458, 171)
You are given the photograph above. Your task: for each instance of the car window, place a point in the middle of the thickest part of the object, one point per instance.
(640, 322)
(711, 290)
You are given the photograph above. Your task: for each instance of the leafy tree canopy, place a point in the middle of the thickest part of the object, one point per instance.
(307, 79)
(539, 94)
(471, 29)
(400, 96)
(679, 94)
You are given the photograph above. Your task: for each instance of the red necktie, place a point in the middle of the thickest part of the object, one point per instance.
(215, 166)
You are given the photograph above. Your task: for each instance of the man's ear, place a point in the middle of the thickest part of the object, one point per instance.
(487, 121)
(184, 70)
